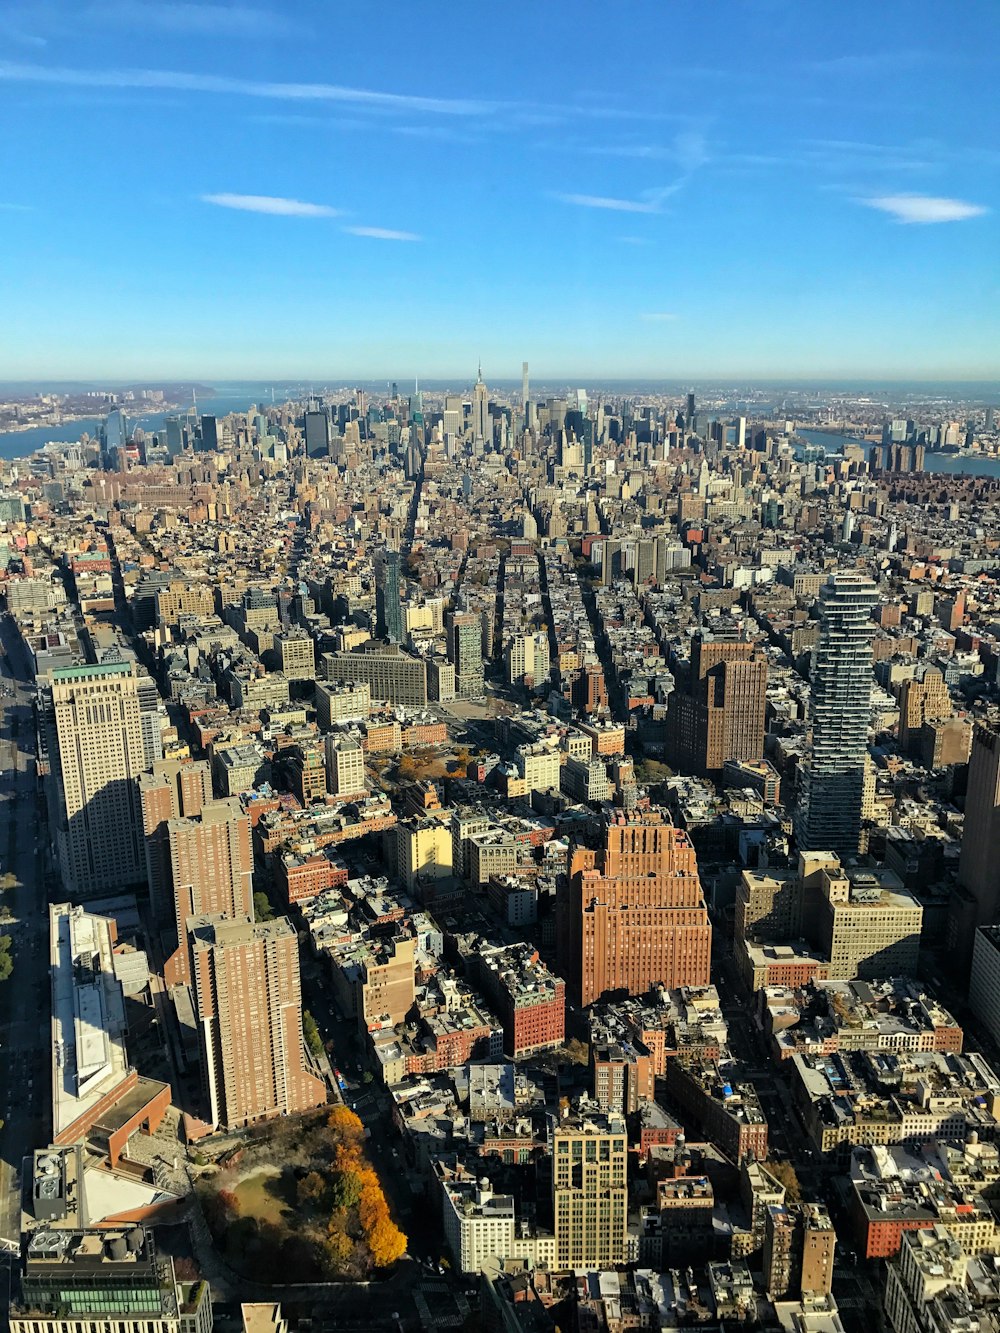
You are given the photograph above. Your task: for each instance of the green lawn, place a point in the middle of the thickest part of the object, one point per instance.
(260, 1196)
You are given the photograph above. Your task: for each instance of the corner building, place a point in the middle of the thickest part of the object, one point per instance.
(631, 914)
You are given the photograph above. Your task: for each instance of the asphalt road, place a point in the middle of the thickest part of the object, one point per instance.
(25, 1002)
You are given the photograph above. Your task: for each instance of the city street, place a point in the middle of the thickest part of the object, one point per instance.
(24, 999)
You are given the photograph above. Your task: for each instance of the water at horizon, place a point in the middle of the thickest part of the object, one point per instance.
(958, 464)
(23, 443)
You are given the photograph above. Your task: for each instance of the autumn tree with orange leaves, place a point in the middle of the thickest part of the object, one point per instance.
(355, 1184)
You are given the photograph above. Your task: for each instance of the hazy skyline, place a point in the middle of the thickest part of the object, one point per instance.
(768, 190)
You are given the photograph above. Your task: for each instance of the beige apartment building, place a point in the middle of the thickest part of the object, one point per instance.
(589, 1191)
(248, 1006)
(345, 766)
(93, 736)
(296, 654)
(342, 703)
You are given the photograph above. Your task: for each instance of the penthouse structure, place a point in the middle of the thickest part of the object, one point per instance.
(108, 1280)
(248, 1006)
(630, 913)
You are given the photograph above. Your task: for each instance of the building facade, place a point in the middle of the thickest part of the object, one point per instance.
(248, 1006)
(94, 741)
(630, 915)
(831, 791)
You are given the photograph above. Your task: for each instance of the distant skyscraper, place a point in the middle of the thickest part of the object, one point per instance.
(94, 740)
(175, 435)
(209, 435)
(630, 915)
(525, 392)
(115, 431)
(317, 431)
(465, 650)
(388, 603)
(248, 1006)
(482, 425)
(831, 791)
(689, 412)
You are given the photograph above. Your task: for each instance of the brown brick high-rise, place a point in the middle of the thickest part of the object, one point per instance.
(248, 1004)
(720, 714)
(175, 788)
(630, 914)
(211, 871)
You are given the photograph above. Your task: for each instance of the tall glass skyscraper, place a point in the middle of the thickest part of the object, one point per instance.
(115, 430)
(831, 780)
(388, 603)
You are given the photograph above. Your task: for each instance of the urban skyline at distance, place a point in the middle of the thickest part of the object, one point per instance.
(756, 193)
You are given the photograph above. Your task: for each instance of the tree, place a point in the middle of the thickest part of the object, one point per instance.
(310, 1190)
(577, 1051)
(262, 909)
(8, 881)
(346, 1126)
(345, 1192)
(6, 962)
(338, 1246)
(386, 1243)
(311, 1033)
(372, 1207)
(784, 1173)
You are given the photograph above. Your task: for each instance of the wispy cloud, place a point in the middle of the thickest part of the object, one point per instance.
(382, 233)
(659, 316)
(189, 19)
(493, 113)
(607, 201)
(106, 76)
(15, 208)
(652, 201)
(924, 208)
(869, 62)
(267, 203)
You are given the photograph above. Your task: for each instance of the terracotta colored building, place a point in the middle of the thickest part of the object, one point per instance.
(630, 914)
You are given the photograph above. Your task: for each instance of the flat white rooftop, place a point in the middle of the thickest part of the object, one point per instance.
(88, 1013)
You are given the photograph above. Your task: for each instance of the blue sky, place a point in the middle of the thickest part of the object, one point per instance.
(332, 190)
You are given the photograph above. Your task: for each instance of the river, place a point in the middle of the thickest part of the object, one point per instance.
(958, 464)
(22, 443)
